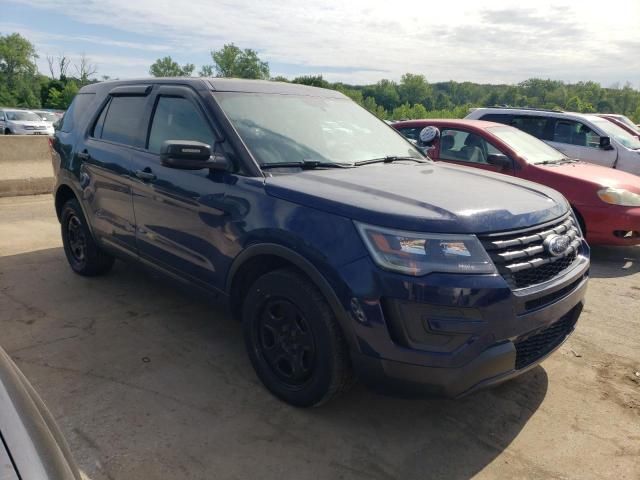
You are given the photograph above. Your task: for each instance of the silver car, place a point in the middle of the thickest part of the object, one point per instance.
(31, 445)
(23, 122)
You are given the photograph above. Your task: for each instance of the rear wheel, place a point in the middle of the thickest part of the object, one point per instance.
(83, 254)
(294, 341)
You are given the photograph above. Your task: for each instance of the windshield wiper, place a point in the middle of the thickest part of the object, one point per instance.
(389, 159)
(305, 165)
(559, 161)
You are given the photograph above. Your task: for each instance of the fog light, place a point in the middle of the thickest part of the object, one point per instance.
(627, 234)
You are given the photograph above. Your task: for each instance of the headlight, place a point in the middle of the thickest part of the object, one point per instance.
(417, 254)
(619, 196)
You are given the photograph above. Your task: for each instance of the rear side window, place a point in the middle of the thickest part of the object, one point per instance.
(77, 108)
(497, 117)
(120, 119)
(177, 118)
(536, 126)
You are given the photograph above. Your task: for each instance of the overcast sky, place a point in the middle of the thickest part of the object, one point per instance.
(353, 41)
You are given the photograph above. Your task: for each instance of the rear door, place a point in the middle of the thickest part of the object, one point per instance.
(106, 172)
(181, 215)
(577, 140)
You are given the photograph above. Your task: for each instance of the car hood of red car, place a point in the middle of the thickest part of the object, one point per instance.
(595, 175)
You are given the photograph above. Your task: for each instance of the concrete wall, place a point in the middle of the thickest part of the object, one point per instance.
(25, 165)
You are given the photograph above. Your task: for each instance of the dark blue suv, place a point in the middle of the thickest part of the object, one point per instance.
(340, 247)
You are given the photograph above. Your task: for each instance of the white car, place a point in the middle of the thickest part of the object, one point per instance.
(577, 135)
(47, 116)
(23, 122)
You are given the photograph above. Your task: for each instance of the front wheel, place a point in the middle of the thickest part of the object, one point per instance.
(294, 341)
(83, 254)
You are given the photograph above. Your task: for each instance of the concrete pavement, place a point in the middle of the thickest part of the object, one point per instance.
(150, 382)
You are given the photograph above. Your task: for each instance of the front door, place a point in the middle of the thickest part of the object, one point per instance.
(180, 214)
(576, 140)
(469, 149)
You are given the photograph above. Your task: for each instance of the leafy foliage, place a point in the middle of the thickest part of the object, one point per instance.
(231, 61)
(166, 67)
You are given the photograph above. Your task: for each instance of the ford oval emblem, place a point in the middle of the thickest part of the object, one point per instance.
(557, 245)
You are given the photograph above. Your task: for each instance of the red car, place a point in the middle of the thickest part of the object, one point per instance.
(606, 201)
(623, 122)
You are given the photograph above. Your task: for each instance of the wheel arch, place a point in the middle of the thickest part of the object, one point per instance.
(259, 259)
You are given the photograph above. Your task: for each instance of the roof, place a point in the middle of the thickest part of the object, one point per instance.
(532, 112)
(221, 85)
(463, 122)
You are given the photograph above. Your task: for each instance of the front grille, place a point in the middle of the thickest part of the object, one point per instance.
(537, 346)
(521, 257)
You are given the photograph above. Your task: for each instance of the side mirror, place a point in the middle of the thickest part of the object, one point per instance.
(605, 143)
(500, 160)
(190, 155)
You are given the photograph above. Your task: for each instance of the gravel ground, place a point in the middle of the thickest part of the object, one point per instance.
(148, 382)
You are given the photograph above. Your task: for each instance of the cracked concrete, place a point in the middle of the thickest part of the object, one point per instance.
(153, 383)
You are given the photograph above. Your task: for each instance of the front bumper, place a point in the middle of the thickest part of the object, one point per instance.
(452, 334)
(20, 131)
(607, 225)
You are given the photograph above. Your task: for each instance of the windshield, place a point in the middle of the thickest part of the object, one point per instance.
(616, 133)
(48, 117)
(626, 120)
(23, 116)
(529, 147)
(292, 128)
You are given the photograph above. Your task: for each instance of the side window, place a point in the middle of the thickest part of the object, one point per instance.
(99, 125)
(497, 117)
(122, 120)
(76, 109)
(176, 118)
(575, 133)
(2, 116)
(464, 146)
(536, 126)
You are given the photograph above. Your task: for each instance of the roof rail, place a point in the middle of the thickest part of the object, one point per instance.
(507, 107)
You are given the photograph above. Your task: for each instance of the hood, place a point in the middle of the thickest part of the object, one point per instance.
(589, 174)
(422, 197)
(30, 123)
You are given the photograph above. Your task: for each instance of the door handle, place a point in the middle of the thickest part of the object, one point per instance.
(145, 175)
(83, 155)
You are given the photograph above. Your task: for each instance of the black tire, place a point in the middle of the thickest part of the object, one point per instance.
(7, 132)
(83, 254)
(294, 341)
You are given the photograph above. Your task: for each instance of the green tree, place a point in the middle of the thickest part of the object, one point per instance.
(17, 59)
(312, 80)
(166, 67)
(206, 71)
(414, 89)
(231, 61)
(54, 99)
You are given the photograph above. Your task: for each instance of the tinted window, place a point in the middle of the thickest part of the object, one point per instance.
(76, 109)
(122, 121)
(177, 118)
(575, 133)
(536, 126)
(97, 128)
(464, 146)
(497, 117)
